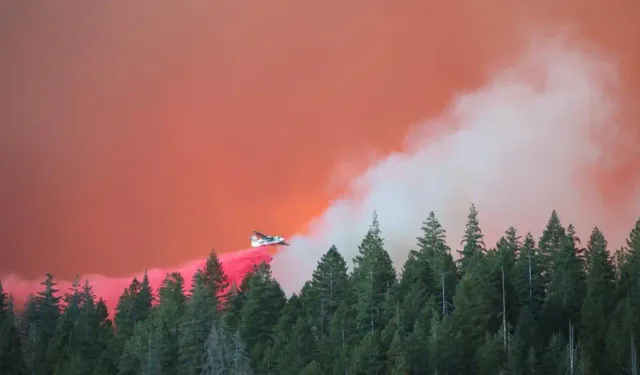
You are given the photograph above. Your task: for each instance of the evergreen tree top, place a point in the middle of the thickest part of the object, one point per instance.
(375, 224)
(214, 274)
(553, 230)
(529, 242)
(597, 245)
(633, 242)
(473, 236)
(434, 238)
(48, 294)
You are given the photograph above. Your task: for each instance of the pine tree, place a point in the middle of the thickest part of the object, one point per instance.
(508, 248)
(302, 348)
(550, 244)
(368, 357)
(565, 290)
(374, 279)
(167, 317)
(142, 352)
(260, 313)
(417, 286)
(153, 347)
(343, 335)
(527, 342)
(65, 344)
(621, 346)
(240, 361)
(11, 354)
(42, 313)
(134, 306)
(528, 277)
(433, 246)
(491, 356)
(629, 276)
(629, 284)
(598, 301)
(396, 354)
(215, 279)
(216, 351)
(105, 341)
(624, 327)
(282, 357)
(236, 302)
(86, 338)
(470, 320)
(329, 285)
(419, 355)
(195, 327)
(473, 241)
(313, 368)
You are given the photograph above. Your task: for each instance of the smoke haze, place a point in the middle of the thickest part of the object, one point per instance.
(523, 144)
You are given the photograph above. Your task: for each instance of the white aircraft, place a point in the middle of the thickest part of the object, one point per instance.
(260, 239)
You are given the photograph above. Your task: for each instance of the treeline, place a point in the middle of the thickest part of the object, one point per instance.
(523, 306)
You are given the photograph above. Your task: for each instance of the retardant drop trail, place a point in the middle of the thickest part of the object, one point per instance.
(236, 265)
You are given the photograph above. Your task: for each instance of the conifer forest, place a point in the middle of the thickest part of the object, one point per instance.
(537, 306)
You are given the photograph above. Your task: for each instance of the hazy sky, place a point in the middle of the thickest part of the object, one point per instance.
(141, 134)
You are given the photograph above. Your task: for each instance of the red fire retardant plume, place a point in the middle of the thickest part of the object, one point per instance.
(236, 265)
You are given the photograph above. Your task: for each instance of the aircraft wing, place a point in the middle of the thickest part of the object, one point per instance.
(259, 234)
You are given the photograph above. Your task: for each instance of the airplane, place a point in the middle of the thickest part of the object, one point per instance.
(259, 239)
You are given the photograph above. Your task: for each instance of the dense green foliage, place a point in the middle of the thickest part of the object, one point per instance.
(515, 308)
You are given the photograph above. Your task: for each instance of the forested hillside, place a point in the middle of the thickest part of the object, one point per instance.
(555, 305)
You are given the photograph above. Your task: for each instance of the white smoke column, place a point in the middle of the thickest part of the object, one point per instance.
(515, 148)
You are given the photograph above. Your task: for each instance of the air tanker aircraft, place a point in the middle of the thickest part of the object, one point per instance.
(260, 239)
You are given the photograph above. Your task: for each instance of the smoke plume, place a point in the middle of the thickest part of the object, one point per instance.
(535, 138)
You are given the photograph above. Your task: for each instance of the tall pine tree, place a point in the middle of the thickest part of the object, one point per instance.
(374, 279)
(598, 301)
(473, 241)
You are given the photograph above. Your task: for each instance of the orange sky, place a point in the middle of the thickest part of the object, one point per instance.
(141, 134)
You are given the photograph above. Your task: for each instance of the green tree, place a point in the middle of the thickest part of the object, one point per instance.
(105, 342)
(473, 240)
(261, 312)
(470, 320)
(565, 290)
(11, 354)
(280, 355)
(89, 337)
(374, 278)
(343, 335)
(552, 241)
(195, 326)
(504, 266)
(433, 246)
(368, 357)
(215, 279)
(397, 352)
(624, 327)
(134, 306)
(328, 287)
(153, 348)
(236, 302)
(64, 344)
(528, 277)
(313, 368)
(42, 313)
(167, 317)
(598, 302)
